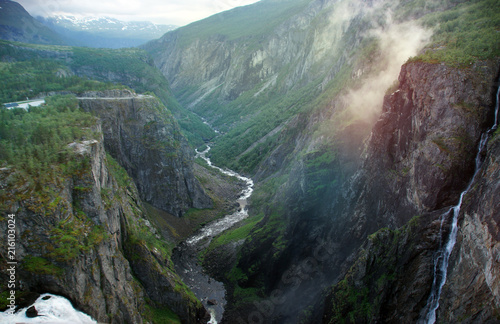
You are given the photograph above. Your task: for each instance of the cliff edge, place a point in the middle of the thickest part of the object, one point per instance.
(144, 138)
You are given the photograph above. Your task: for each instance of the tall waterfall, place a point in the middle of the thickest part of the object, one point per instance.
(442, 256)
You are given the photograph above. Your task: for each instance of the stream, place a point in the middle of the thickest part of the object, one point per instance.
(185, 256)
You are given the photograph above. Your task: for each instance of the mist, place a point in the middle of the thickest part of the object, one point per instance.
(397, 43)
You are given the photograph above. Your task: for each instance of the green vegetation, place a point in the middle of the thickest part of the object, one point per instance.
(39, 69)
(163, 315)
(259, 117)
(463, 33)
(247, 278)
(141, 234)
(237, 234)
(34, 146)
(350, 304)
(367, 283)
(28, 79)
(74, 236)
(322, 170)
(30, 139)
(233, 235)
(40, 265)
(121, 176)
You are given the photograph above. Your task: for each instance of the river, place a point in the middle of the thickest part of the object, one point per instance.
(185, 256)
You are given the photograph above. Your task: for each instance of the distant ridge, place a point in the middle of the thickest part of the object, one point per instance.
(105, 31)
(16, 24)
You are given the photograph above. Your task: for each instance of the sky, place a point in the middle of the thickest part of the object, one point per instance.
(168, 12)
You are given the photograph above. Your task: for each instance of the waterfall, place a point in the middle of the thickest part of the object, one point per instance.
(51, 309)
(442, 256)
(496, 110)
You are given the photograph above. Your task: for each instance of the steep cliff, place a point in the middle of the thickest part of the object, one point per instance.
(145, 139)
(471, 293)
(423, 149)
(81, 230)
(55, 233)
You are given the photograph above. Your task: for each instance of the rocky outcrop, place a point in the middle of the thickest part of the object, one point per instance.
(83, 242)
(71, 245)
(144, 138)
(164, 287)
(391, 272)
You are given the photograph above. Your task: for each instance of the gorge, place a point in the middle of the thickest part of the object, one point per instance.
(208, 290)
(364, 135)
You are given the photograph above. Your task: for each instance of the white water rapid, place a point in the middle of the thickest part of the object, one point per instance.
(51, 309)
(443, 255)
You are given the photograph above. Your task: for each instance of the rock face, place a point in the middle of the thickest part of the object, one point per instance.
(144, 138)
(78, 243)
(427, 135)
(420, 158)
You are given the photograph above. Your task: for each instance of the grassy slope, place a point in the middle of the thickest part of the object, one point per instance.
(249, 118)
(249, 21)
(463, 33)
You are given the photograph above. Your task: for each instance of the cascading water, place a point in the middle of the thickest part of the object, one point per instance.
(51, 309)
(209, 291)
(442, 256)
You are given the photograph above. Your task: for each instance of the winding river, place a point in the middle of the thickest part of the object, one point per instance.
(209, 291)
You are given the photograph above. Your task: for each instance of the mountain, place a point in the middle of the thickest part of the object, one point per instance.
(104, 31)
(16, 24)
(360, 123)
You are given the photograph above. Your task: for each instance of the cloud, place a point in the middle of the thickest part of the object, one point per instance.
(176, 12)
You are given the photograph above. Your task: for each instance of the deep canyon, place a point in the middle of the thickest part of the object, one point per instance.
(364, 141)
